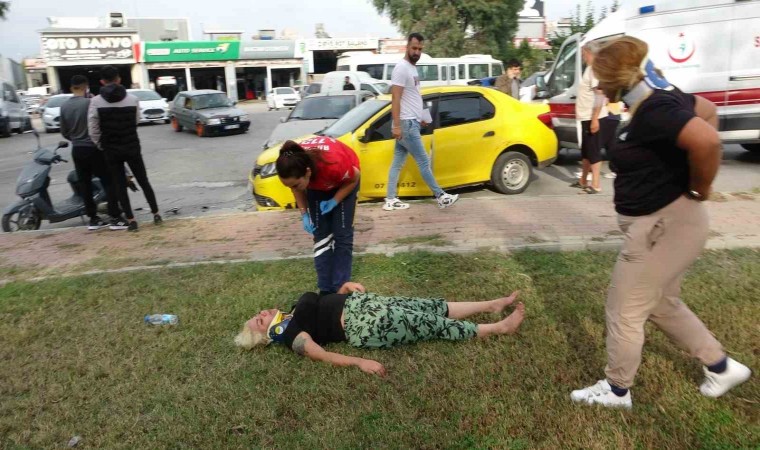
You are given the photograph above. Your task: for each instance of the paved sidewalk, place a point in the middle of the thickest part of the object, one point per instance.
(501, 223)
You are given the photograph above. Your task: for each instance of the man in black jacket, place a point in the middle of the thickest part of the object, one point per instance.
(88, 160)
(113, 119)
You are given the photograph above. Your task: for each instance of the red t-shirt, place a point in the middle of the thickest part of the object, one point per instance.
(337, 166)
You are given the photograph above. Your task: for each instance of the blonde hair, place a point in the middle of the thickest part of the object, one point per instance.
(248, 338)
(617, 64)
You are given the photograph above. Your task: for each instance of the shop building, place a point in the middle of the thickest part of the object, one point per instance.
(69, 51)
(266, 64)
(35, 71)
(192, 65)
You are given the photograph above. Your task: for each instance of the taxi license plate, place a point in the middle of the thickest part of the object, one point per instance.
(231, 127)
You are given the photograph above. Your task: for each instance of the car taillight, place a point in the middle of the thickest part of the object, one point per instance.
(546, 119)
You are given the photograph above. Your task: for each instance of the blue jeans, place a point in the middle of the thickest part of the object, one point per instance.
(333, 239)
(411, 142)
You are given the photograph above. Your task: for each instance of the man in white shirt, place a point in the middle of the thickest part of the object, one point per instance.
(595, 124)
(409, 117)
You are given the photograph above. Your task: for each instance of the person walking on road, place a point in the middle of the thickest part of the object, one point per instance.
(597, 126)
(88, 159)
(113, 118)
(409, 117)
(509, 82)
(323, 174)
(666, 161)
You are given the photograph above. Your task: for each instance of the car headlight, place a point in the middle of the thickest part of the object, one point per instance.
(244, 118)
(213, 121)
(268, 170)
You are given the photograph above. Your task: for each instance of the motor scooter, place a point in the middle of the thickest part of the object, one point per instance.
(35, 204)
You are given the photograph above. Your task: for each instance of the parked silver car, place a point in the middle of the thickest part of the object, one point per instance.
(207, 112)
(51, 112)
(315, 113)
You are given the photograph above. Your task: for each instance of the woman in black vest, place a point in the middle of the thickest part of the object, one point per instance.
(370, 321)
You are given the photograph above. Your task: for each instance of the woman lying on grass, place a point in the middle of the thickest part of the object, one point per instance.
(371, 321)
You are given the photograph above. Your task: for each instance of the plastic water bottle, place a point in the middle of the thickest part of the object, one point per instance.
(161, 319)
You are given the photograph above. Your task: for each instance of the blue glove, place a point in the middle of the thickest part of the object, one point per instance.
(327, 205)
(307, 225)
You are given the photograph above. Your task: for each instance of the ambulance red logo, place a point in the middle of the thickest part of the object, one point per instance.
(682, 49)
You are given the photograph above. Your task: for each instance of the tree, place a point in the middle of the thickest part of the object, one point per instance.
(4, 8)
(455, 27)
(615, 6)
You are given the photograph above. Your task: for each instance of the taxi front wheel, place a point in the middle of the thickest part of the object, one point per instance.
(512, 172)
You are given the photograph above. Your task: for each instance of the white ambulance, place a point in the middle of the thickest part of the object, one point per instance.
(709, 48)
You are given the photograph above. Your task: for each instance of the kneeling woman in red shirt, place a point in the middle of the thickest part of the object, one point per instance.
(324, 176)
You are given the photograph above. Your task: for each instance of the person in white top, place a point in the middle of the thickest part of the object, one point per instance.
(409, 116)
(595, 124)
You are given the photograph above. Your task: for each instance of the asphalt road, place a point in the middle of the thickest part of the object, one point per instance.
(210, 175)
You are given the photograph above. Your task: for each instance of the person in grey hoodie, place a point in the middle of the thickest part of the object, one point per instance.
(112, 122)
(88, 160)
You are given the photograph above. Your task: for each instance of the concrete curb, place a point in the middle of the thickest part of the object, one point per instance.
(563, 244)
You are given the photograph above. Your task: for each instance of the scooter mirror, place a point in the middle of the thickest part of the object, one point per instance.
(63, 144)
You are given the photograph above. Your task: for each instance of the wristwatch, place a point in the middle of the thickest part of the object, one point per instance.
(695, 195)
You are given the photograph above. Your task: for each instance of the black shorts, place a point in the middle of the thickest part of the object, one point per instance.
(592, 144)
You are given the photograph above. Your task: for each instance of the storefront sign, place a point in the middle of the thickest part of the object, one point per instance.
(280, 49)
(67, 50)
(341, 44)
(180, 51)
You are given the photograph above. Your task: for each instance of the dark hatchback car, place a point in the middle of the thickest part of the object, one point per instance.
(208, 113)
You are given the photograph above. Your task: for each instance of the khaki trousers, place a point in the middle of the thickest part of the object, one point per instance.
(646, 285)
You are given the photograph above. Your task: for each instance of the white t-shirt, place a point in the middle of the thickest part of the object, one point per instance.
(584, 104)
(405, 75)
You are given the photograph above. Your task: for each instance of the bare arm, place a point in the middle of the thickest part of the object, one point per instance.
(305, 346)
(706, 110)
(346, 188)
(396, 92)
(300, 199)
(349, 287)
(700, 139)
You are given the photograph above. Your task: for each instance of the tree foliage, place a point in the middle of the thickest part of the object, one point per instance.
(4, 7)
(456, 27)
(583, 24)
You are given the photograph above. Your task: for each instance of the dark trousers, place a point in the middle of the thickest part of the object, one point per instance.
(89, 162)
(137, 166)
(333, 239)
(592, 144)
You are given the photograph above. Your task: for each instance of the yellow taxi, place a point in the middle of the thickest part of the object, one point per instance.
(478, 136)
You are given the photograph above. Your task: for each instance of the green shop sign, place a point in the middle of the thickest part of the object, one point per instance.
(191, 51)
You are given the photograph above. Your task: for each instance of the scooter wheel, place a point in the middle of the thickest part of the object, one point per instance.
(25, 219)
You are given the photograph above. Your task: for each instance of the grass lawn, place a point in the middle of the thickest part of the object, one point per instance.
(78, 360)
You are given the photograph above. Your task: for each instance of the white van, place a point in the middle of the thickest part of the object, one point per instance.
(709, 48)
(334, 81)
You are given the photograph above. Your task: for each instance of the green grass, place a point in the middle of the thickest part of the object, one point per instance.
(77, 360)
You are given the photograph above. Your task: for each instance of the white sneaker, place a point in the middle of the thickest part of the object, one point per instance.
(446, 200)
(394, 203)
(610, 175)
(717, 384)
(602, 394)
(579, 174)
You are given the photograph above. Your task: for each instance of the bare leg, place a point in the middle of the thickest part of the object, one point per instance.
(508, 325)
(584, 172)
(461, 310)
(595, 171)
